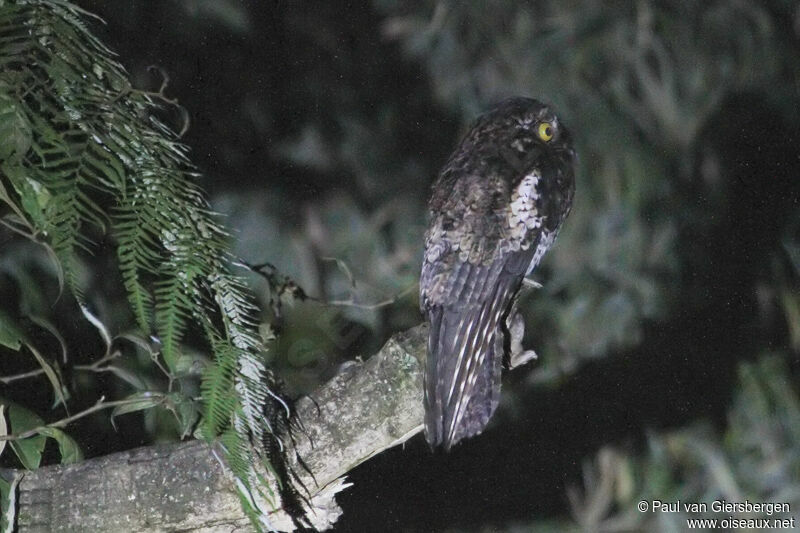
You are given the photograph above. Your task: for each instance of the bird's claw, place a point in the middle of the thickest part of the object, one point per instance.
(516, 328)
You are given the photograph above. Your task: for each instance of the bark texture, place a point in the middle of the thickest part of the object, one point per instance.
(364, 410)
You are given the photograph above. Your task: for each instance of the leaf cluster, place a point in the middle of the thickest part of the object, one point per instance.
(84, 156)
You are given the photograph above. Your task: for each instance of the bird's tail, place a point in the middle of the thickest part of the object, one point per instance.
(462, 378)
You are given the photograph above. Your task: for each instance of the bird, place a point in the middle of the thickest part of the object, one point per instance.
(495, 208)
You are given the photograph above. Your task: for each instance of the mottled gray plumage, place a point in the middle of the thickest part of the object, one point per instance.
(496, 208)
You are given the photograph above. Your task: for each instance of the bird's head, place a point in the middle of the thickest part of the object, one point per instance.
(528, 131)
(514, 138)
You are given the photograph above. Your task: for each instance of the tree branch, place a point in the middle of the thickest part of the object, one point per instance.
(364, 410)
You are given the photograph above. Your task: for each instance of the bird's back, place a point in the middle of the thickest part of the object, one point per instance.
(490, 223)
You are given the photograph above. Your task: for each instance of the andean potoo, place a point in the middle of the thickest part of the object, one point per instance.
(496, 208)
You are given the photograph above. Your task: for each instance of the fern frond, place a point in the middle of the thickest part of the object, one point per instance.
(86, 154)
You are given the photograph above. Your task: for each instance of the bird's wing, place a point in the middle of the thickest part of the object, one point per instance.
(475, 259)
(465, 353)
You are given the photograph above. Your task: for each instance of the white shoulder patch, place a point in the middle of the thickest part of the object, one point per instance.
(522, 214)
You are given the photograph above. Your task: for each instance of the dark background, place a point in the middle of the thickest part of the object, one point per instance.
(319, 128)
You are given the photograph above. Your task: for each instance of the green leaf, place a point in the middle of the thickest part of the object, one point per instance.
(140, 342)
(29, 450)
(13, 337)
(129, 377)
(15, 129)
(52, 375)
(67, 447)
(51, 328)
(10, 334)
(32, 196)
(137, 402)
(41, 195)
(186, 411)
(190, 364)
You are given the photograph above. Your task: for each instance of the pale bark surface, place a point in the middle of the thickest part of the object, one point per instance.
(367, 408)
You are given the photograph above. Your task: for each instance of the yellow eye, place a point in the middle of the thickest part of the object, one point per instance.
(546, 131)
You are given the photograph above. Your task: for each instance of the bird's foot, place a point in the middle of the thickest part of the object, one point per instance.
(519, 355)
